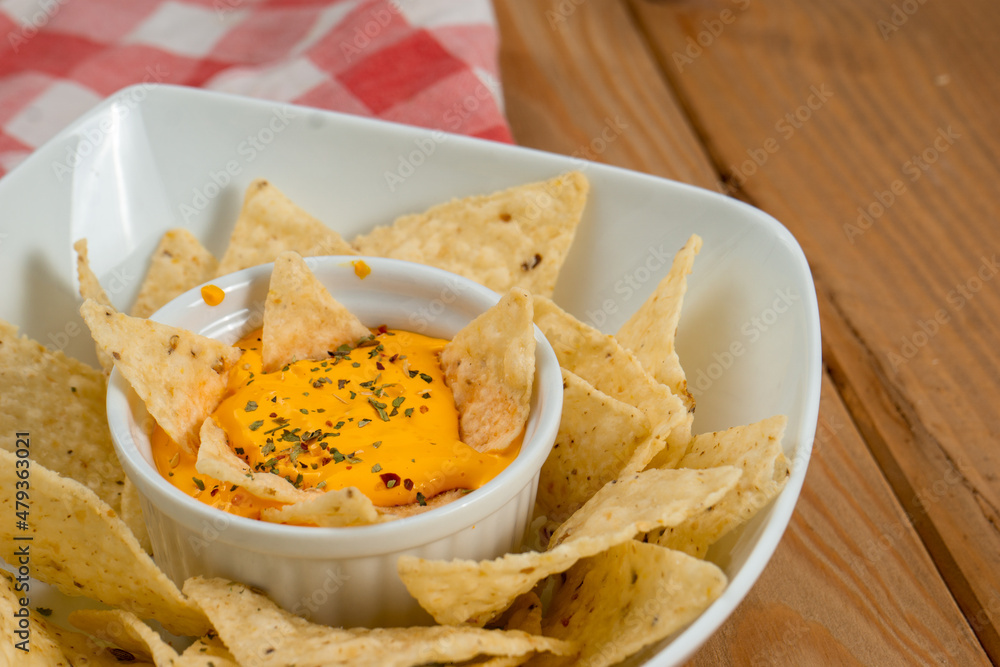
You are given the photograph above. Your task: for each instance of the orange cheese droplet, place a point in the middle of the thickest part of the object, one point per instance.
(212, 295)
(361, 270)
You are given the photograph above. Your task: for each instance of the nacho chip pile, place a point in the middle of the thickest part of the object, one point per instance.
(629, 502)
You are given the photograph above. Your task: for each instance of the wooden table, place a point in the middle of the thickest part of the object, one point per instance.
(869, 128)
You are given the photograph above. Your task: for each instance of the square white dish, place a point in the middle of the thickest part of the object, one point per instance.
(152, 158)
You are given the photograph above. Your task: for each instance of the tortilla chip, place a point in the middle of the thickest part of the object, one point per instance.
(597, 437)
(331, 509)
(207, 651)
(465, 591)
(50, 644)
(631, 596)
(179, 375)
(515, 237)
(79, 546)
(81, 649)
(60, 402)
(301, 319)
(603, 362)
(651, 331)
(412, 509)
(90, 288)
(217, 460)
(126, 631)
(490, 367)
(179, 263)
(756, 450)
(673, 494)
(260, 633)
(22, 639)
(131, 515)
(524, 614)
(269, 224)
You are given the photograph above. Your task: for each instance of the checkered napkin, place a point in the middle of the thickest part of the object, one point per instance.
(423, 62)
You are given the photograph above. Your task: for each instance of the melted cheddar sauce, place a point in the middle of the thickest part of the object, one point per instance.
(378, 417)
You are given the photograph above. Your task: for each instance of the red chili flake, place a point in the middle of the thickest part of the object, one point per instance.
(273, 415)
(565, 621)
(378, 365)
(423, 409)
(383, 328)
(390, 479)
(408, 484)
(393, 358)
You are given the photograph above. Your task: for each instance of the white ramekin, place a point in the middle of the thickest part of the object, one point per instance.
(338, 576)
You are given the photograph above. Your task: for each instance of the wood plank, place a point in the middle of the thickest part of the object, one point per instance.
(903, 129)
(547, 70)
(851, 584)
(565, 83)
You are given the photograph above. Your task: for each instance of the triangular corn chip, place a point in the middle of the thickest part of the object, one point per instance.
(90, 288)
(301, 319)
(260, 633)
(412, 509)
(217, 460)
(652, 329)
(179, 375)
(666, 498)
(49, 645)
(61, 403)
(126, 631)
(603, 362)
(597, 437)
(22, 640)
(490, 367)
(756, 450)
(333, 508)
(269, 224)
(466, 591)
(80, 546)
(179, 263)
(626, 598)
(515, 237)
(524, 614)
(207, 651)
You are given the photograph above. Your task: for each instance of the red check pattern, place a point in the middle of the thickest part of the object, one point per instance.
(425, 62)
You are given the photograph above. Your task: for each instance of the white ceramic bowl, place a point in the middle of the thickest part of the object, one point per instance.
(154, 157)
(338, 576)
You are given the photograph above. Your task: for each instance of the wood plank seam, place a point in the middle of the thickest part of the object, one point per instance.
(912, 502)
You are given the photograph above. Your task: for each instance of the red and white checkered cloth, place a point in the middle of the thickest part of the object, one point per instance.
(424, 62)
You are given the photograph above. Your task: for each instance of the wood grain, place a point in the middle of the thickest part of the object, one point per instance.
(901, 131)
(852, 580)
(851, 583)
